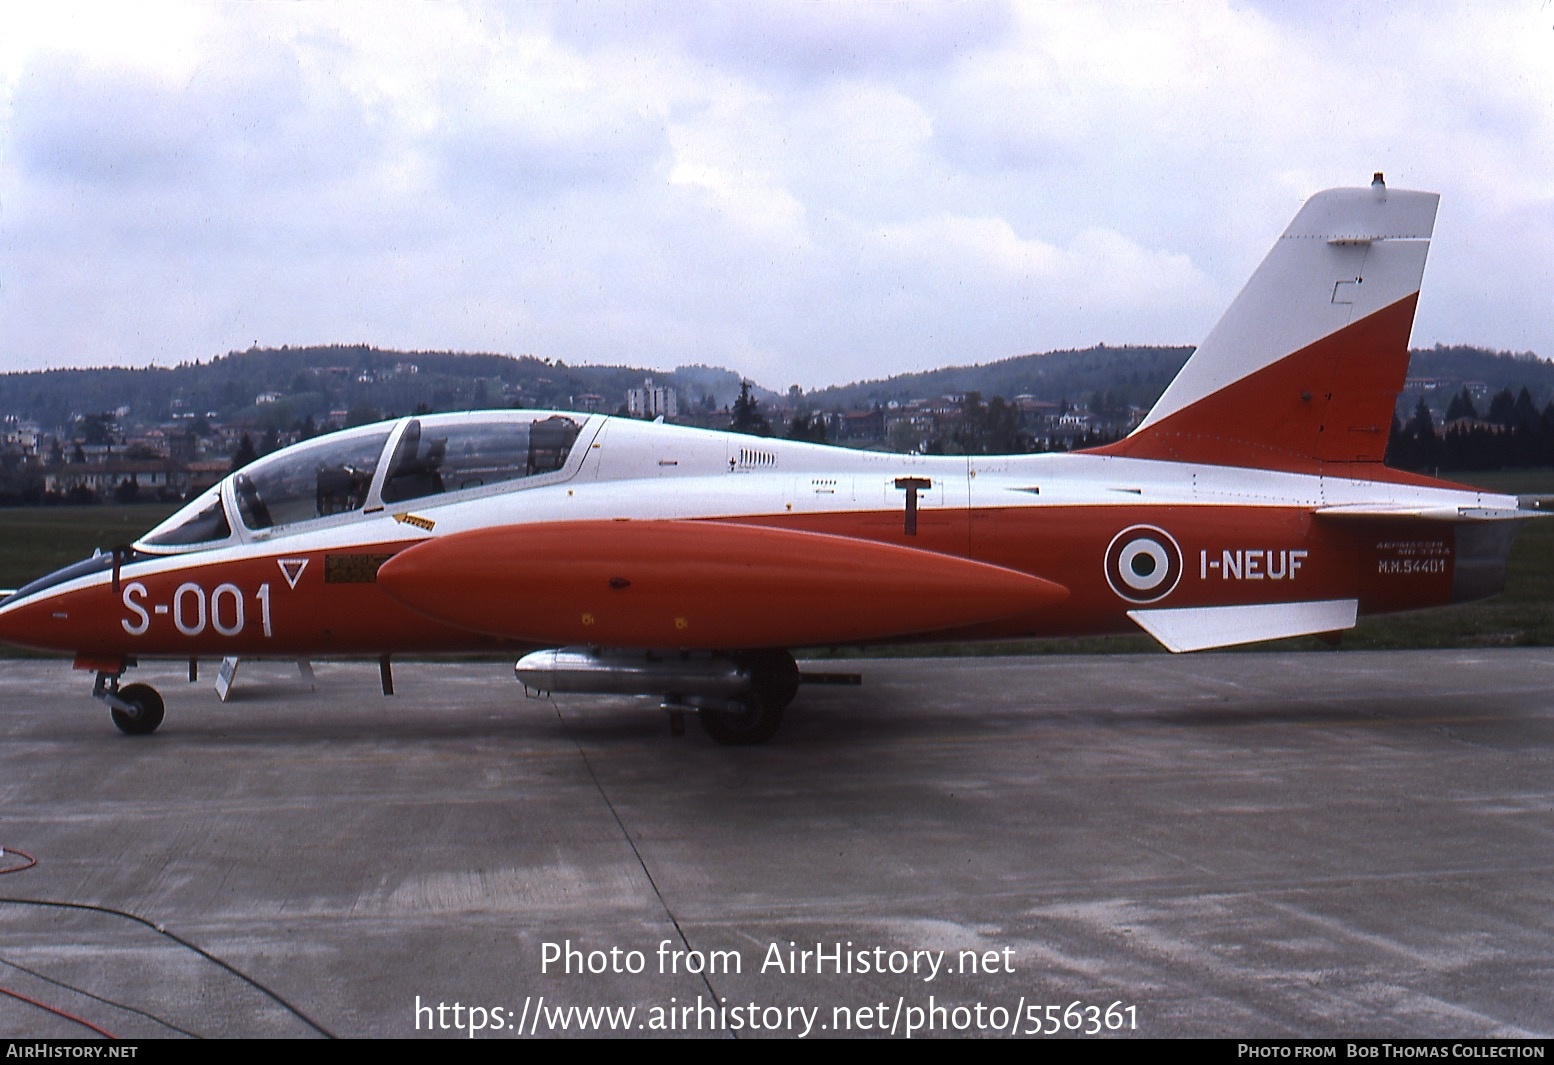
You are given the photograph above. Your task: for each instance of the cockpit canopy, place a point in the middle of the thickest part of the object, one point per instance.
(368, 468)
(315, 479)
(453, 456)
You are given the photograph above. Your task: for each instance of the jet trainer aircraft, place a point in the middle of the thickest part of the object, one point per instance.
(629, 557)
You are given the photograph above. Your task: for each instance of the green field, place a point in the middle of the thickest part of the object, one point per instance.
(38, 540)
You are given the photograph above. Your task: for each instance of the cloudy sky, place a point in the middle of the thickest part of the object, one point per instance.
(805, 192)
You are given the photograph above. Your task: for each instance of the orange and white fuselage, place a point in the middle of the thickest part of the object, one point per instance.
(1251, 504)
(1103, 544)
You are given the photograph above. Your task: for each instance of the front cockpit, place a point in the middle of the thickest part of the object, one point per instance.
(341, 477)
(362, 471)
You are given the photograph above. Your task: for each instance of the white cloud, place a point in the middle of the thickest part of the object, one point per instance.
(795, 40)
(804, 192)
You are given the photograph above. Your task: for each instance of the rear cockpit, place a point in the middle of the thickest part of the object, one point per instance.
(335, 478)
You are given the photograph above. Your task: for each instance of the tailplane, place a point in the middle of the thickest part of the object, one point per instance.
(1303, 371)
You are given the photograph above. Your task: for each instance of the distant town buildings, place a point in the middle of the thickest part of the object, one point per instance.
(90, 445)
(652, 401)
(142, 479)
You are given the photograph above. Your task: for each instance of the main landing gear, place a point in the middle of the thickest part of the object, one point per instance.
(755, 716)
(739, 696)
(136, 708)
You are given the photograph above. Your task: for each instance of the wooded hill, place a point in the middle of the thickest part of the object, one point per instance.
(310, 383)
(369, 383)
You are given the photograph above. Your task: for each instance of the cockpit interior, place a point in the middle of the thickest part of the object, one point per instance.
(360, 470)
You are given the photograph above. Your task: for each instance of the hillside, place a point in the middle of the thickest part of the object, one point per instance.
(275, 388)
(272, 388)
(1134, 375)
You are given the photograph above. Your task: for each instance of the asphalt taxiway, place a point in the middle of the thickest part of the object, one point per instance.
(1253, 845)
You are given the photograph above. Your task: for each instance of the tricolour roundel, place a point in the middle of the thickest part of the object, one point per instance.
(1143, 564)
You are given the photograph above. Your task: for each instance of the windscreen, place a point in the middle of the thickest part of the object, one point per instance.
(327, 476)
(203, 521)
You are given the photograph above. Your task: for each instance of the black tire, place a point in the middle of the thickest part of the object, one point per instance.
(756, 723)
(146, 712)
(775, 676)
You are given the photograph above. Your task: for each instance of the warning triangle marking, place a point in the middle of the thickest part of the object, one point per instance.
(291, 569)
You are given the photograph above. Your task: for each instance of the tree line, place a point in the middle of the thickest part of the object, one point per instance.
(1511, 432)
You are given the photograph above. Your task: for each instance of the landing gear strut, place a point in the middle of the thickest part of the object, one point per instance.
(136, 708)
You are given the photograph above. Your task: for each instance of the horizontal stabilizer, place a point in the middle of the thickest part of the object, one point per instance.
(1204, 627)
(1373, 512)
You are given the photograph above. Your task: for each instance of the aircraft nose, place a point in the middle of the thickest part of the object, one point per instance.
(31, 618)
(19, 623)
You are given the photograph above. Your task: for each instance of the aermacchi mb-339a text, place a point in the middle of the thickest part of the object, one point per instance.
(622, 556)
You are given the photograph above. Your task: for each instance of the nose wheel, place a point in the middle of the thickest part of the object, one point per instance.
(136, 708)
(142, 710)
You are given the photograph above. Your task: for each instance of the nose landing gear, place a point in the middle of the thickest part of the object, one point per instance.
(136, 708)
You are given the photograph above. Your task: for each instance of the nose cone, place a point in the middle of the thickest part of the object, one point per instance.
(36, 617)
(22, 623)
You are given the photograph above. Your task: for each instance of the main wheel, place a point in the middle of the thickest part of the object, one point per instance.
(775, 676)
(145, 712)
(756, 723)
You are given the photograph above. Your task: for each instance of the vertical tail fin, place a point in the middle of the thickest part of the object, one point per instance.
(1305, 367)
